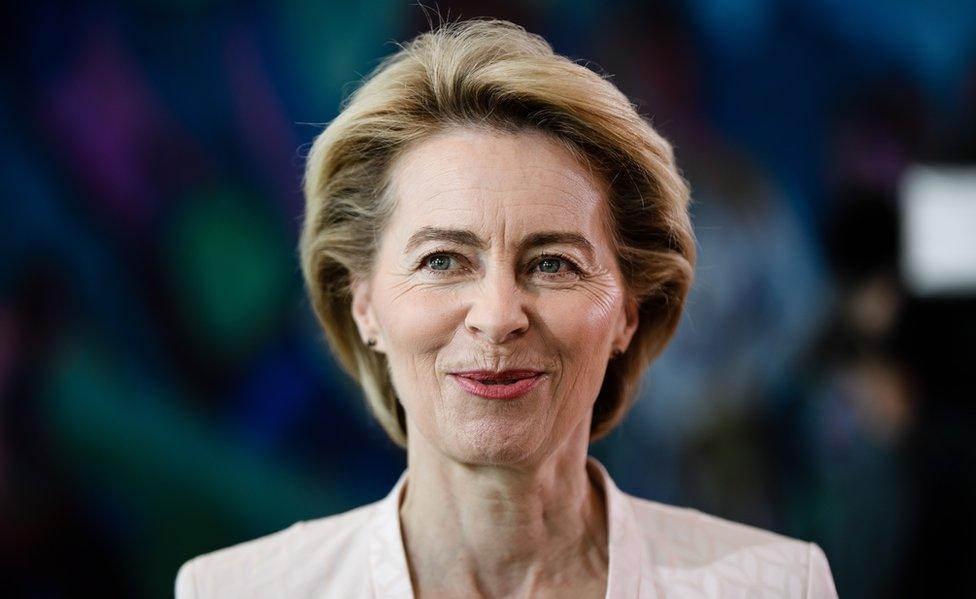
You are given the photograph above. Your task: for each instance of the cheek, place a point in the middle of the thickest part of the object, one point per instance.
(579, 319)
(418, 321)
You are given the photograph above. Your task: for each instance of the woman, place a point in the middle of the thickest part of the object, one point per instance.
(497, 245)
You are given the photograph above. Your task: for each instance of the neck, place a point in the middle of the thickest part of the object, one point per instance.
(492, 531)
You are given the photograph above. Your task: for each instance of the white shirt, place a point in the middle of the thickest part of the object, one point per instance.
(655, 550)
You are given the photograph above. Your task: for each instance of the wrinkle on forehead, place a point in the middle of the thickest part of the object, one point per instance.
(512, 170)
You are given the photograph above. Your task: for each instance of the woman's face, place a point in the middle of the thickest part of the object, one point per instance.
(496, 258)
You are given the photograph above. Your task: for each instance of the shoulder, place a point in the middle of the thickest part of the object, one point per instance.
(284, 563)
(688, 546)
(689, 536)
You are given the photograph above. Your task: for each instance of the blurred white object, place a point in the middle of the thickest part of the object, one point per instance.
(938, 229)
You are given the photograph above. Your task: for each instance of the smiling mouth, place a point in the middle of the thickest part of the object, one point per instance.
(498, 382)
(509, 388)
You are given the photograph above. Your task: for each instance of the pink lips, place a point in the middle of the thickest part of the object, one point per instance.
(526, 381)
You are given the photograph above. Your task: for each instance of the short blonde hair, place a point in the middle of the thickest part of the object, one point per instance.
(492, 73)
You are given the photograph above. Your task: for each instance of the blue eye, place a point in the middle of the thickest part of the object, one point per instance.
(439, 261)
(551, 263)
(547, 265)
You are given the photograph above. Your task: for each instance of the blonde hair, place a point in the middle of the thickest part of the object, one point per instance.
(492, 73)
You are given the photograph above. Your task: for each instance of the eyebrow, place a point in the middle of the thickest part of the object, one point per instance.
(469, 238)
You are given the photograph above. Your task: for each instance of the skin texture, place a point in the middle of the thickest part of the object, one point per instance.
(498, 500)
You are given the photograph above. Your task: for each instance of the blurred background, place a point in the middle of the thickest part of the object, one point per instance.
(165, 390)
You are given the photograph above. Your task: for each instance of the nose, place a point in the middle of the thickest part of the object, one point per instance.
(497, 313)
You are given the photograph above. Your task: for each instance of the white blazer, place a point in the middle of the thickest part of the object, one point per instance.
(655, 550)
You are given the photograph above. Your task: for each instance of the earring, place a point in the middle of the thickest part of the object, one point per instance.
(616, 353)
(371, 342)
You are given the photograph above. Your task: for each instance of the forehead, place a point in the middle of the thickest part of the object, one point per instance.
(524, 180)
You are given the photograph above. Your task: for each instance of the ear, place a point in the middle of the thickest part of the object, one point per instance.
(362, 314)
(628, 324)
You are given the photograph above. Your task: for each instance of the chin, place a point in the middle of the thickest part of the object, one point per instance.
(493, 444)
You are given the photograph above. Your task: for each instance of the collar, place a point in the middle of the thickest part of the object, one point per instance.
(626, 555)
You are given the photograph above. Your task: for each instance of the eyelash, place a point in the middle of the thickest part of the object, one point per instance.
(422, 264)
